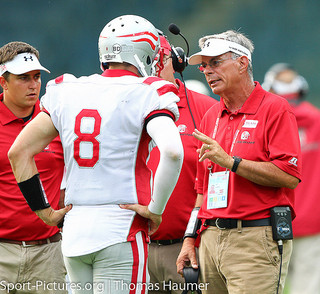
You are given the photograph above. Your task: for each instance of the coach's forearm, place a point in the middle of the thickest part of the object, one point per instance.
(266, 174)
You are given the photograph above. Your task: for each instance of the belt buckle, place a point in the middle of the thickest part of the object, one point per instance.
(24, 244)
(216, 222)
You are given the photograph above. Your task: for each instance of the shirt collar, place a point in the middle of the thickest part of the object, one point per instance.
(252, 103)
(6, 116)
(118, 73)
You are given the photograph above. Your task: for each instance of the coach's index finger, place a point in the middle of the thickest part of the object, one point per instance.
(201, 137)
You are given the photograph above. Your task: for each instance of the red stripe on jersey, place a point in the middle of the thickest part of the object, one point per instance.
(151, 80)
(143, 185)
(59, 80)
(161, 111)
(169, 87)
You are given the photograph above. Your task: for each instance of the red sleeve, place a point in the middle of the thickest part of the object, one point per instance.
(284, 143)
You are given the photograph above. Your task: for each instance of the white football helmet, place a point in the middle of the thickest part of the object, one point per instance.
(131, 39)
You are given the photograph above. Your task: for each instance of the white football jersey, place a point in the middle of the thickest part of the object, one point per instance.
(101, 123)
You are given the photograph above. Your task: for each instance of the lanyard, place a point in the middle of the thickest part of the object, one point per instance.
(237, 132)
(240, 125)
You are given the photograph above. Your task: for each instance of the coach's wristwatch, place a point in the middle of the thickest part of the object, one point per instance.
(236, 162)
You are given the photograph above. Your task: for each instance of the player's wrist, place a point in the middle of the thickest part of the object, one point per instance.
(34, 194)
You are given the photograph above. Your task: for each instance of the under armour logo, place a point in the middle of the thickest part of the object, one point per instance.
(26, 58)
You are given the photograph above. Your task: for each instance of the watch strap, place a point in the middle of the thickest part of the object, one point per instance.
(236, 162)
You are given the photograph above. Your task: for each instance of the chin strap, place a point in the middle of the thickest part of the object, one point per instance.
(141, 68)
(191, 277)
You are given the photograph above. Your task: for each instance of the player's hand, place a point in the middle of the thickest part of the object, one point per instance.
(187, 256)
(53, 217)
(212, 150)
(154, 219)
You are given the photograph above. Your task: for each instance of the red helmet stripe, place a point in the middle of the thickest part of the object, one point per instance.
(141, 33)
(145, 40)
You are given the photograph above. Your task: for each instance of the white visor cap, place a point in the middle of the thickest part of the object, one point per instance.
(22, 63)
(215, 47)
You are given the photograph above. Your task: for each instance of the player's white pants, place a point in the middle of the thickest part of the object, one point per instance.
(117, 269)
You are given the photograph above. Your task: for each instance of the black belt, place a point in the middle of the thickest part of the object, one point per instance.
(167, 242)
(231, 223)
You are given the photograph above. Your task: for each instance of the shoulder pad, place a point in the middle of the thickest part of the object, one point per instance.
(61, 79)
(162, 86)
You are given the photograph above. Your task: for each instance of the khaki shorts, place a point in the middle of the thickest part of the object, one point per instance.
(244, 261)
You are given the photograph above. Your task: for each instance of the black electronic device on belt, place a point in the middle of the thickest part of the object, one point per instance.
(281, 223)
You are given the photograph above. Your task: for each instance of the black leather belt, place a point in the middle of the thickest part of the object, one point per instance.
(231, 223)
(167, 242)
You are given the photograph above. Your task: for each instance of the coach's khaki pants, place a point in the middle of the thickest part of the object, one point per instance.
(163, 270)
(36, 269)
(242, 261)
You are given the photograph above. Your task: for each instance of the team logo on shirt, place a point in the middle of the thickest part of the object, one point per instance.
(48, 149)
(293, 161)
(244, 138)
(245, 135)
(182, 128)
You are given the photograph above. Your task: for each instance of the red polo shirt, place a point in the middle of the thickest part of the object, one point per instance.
(17, 221)
(269, 133)
(176, 215)
(307, 205)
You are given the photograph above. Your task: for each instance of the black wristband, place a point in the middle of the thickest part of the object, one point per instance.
(236, 162)
(33, 192)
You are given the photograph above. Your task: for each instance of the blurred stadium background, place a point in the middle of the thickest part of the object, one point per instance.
(66, 31)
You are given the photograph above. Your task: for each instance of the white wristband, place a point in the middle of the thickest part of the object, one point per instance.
(193, 224)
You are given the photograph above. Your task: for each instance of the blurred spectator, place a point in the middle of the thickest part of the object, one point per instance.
(304, 270)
